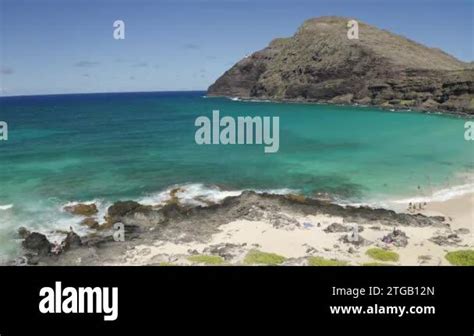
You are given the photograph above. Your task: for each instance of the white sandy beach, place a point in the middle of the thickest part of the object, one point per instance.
(309, 239)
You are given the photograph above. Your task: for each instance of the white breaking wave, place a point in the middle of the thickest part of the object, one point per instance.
(64, 221)
(72, 203)
(399, 204)
(281, 191)
(246, 100)
(258, 101)
(6, 207)
(441, 195)
(198, 194)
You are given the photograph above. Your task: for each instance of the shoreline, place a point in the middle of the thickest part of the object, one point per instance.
(297, 229)
(458, 210)
(441, 112)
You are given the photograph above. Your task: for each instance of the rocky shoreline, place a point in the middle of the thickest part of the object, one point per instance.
(228, 233)
(391, 108)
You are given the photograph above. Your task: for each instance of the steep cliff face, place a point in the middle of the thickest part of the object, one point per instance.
(321, 64)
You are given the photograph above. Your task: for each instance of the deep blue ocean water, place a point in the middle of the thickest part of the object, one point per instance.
(106, 147)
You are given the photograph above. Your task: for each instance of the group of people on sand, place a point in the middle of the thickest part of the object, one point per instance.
(414, 207)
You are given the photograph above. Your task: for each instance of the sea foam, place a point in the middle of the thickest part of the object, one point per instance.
(198, 194)
(441, 195)
(399, 204)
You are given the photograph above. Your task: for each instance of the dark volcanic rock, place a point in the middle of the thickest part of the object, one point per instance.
(90, 222)
(71, 241)
(353, 239)
(119, 211)
(37, 243)
(82, 209)
(227, 251)
(462, 231)
(450, 239)
(336, 227)
(397, 238)
(23, 232)
(320, 64)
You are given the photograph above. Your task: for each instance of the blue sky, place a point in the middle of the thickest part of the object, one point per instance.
(67, 46)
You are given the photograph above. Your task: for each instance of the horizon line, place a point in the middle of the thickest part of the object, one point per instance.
(91, 93)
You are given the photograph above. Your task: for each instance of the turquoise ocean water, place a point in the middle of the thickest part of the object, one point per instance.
(107, 147)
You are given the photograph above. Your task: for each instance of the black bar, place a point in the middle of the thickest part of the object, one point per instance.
(245, 299)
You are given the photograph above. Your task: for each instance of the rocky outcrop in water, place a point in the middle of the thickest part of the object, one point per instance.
(82, 209)
(124, 210)
(320, 64)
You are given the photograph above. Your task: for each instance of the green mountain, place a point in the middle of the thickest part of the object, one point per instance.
(321, 64)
